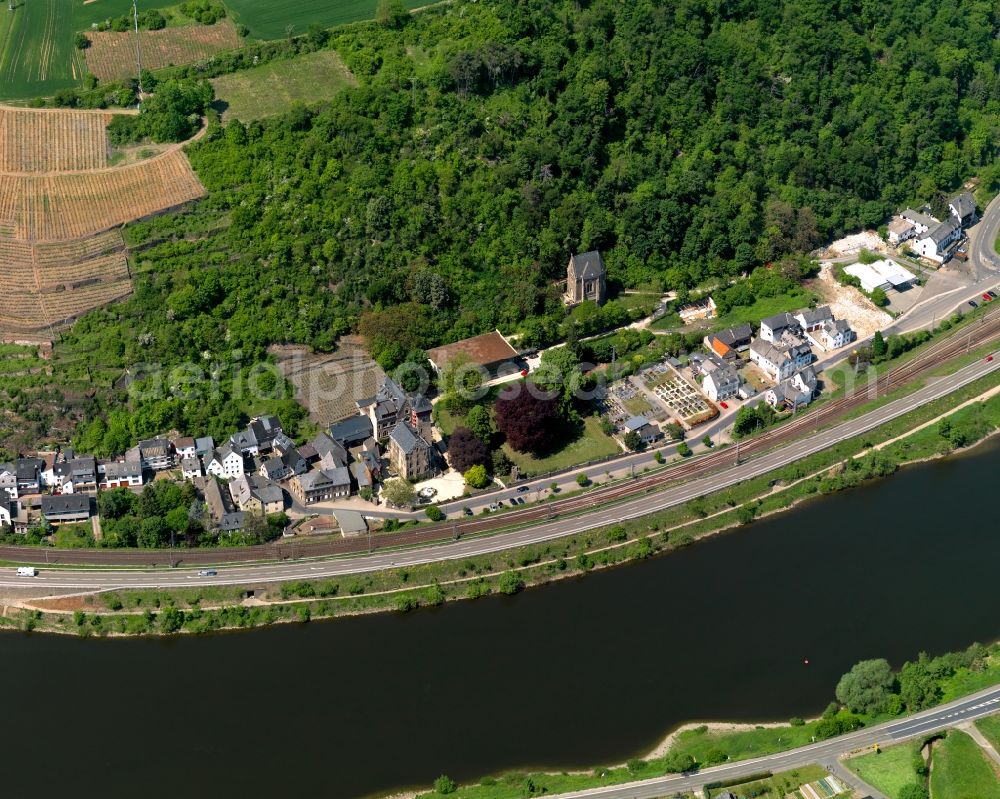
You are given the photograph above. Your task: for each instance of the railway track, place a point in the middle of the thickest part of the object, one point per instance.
(980, 333)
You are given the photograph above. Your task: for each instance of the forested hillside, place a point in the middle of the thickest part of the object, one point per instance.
(489, 140)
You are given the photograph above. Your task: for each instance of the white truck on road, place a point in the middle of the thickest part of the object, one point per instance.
(27, 571)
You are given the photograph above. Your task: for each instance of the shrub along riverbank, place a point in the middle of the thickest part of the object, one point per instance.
(205, 609)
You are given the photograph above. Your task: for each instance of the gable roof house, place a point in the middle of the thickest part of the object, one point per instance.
(75, 475)
(963, 208)
(8, 479)
(155, 454)
(331, 453)
(812, 319)
(185, 447)
(8, 508)
(921, 222)
(409, 453)
(721, 383)
(735, 339)
(642, 427)
(779, 362)
(835, 334)
(939, 243)
(253, 493)
(586, 278)
(190, 467)
(352, 431)
(120, 474)
(899, 230)
(320, 485)
(225, 519)
(204, 446)
(488, 351)
(226, 462)
(773, 327)
(29, 475)
(65, 508)
(273, 468)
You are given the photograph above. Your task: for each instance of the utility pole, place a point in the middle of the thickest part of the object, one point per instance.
(138, 59)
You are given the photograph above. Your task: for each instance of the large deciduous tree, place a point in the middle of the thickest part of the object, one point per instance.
(528, 417)
(466, 449)
(866, 688)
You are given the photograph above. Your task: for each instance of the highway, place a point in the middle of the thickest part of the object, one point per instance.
(825, 752)
(633, 506)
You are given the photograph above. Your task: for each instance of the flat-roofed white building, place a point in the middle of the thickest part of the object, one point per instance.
(882, 274)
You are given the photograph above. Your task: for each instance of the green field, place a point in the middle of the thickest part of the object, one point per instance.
(271, 19)
(990, 727)
(272, 88)
(37, 55)
(591, 445)
(961, 770)
(890, 770)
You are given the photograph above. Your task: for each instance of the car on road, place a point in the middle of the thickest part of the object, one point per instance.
(27, 571)
(207, 573)
(467, 510)
(523, 489)
(989, 358)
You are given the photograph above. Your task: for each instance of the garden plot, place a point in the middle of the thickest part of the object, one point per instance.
(684, 400)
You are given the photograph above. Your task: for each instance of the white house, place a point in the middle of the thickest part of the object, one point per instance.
(772, 328)
(120, 474)
(225, 463)
(8, 479)
(963, 208)
(8, 508)
(899, 230)
(185, 447)
(935, 245)
(190, 468)
(813, 318)
(921, 222)
(779, 362)
(721, 382)
(795, 392)
(835, 334)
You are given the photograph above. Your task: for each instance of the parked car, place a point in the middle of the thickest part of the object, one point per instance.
(987, 297)
(723, 405)
(973, 304)
(992, 293)
(523, 489)
(493, 506)
(467, 510)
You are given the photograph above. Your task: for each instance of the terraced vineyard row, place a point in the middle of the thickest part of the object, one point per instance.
(47, 285)
(111, 55)
(40, 141)
(69, 206)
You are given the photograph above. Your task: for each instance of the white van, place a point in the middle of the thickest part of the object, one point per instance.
(27, 571)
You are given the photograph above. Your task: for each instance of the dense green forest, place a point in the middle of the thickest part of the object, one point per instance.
(688, 141)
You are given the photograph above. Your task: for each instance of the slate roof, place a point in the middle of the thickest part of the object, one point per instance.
(813, 316)
(354, 429)
(65, 503)
(405, 438)
(964, 204)
(588, 265)
(944, 230)
(918, 218)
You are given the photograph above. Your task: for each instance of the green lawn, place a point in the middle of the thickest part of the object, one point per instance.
(762, 308)
(591, 445)
(37, 55)
(270, 19)
(960, 770)
(890, 770)
(272, 88)
(990, 727)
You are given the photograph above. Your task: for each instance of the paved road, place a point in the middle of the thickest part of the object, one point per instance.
(972, 707)
(96, 579)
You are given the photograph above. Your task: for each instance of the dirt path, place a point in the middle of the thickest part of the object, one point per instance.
(974, 733)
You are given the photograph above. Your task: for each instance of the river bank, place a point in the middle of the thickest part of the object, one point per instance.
(912, 439)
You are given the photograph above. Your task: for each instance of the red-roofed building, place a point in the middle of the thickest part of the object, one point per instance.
(489, 351)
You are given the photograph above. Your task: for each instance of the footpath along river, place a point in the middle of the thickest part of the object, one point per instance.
(578, 673)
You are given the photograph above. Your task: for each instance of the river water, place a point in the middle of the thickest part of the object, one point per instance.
(580, 673)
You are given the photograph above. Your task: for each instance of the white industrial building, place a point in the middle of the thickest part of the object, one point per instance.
(882, 274)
